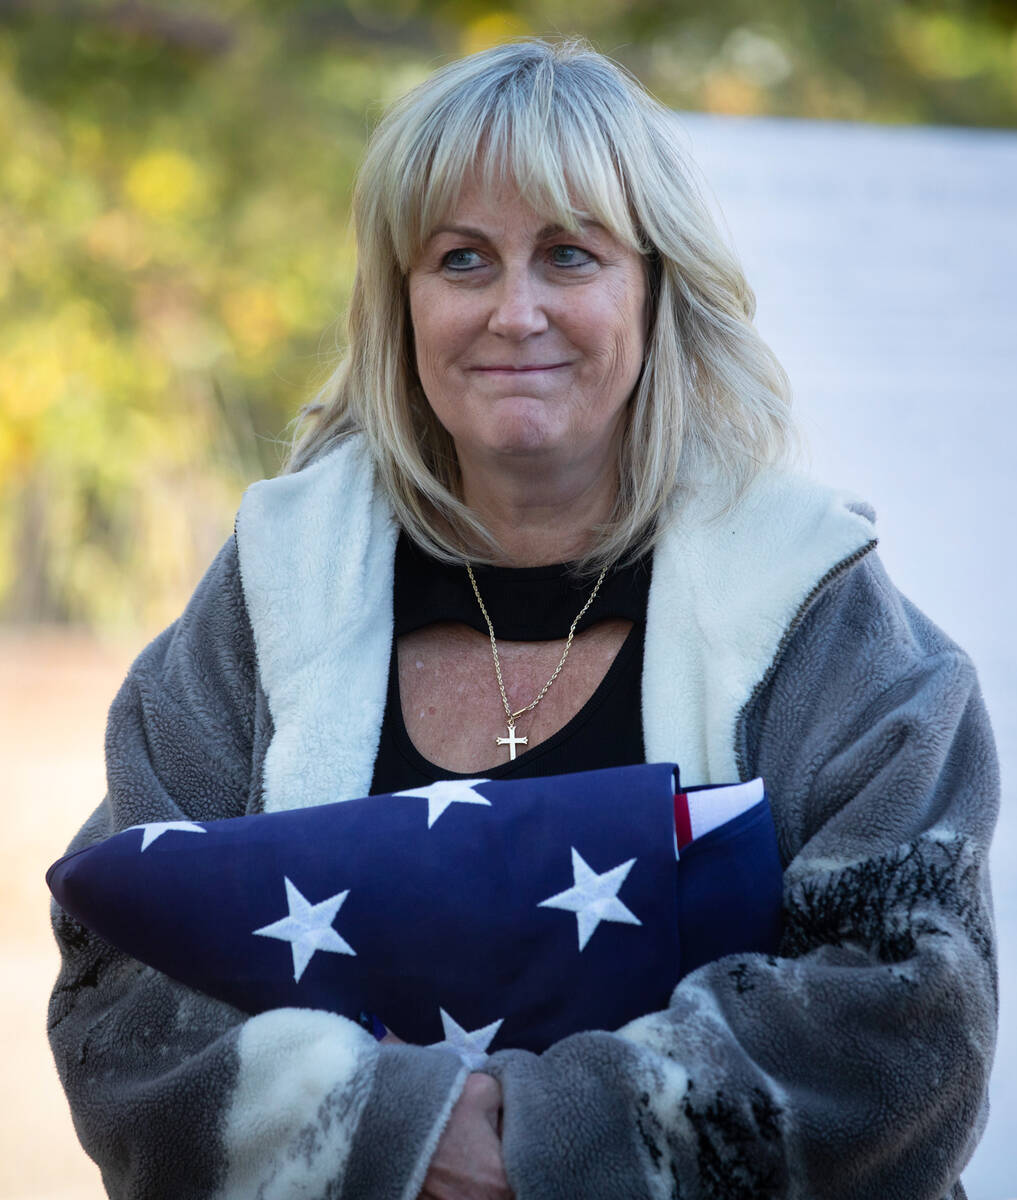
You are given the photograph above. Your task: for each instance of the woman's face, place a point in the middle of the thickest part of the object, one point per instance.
(529, 339)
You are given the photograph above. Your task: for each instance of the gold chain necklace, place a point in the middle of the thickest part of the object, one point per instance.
(512, 741)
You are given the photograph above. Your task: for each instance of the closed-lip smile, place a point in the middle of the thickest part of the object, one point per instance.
(511, 368)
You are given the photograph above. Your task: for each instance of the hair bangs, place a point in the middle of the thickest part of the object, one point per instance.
(518, 132)
(564, 168)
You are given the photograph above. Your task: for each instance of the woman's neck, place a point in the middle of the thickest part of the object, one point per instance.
(536, 520)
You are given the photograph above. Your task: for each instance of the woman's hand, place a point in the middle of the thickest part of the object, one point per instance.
(467, 1165)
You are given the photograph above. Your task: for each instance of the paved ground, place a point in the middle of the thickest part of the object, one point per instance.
(55, 689)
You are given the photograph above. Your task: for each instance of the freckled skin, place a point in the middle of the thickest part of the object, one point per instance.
(452, 709)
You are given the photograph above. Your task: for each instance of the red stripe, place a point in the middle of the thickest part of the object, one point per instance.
(682, 820)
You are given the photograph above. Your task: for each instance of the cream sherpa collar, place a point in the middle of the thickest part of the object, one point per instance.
(317, 553)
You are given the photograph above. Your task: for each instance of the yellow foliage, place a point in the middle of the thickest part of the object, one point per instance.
(23, 177)
(38, 259)
(945, 46)
(299, 305)
(87, 140)
(492, 28)
(31, 380)
(113, 237)
(397, 81)
(253, 317)
(8, 559)
(731, 93)
(174, 327)
(15, 455)
(166, 183)
(382, 15)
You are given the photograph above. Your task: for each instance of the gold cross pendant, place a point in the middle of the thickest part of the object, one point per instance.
(511, 741)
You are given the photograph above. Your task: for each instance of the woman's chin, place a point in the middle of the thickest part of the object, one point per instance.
(511, 429)
(529, 439)
(522, 438)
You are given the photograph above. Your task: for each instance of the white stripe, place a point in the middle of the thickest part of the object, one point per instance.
(715, 806)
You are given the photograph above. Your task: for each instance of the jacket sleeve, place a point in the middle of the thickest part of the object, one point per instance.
(178, 1095)
(855, 1063)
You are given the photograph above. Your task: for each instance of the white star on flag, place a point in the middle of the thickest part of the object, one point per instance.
(444, 792)
(593, 898)
(471, 1047)
(155, 829)
(308, 927)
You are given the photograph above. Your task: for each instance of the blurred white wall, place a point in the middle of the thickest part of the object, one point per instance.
(885, 268)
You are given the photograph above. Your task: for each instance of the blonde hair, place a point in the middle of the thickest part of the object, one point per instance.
(581, 139)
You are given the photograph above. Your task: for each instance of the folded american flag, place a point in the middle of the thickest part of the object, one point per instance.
(470, 913)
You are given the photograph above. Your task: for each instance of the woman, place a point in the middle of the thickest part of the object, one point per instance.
(551, 361)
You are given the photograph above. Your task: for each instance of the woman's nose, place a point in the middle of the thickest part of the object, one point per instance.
(518, 310)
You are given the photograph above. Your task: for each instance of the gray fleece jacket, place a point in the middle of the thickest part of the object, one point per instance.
(852, 1066)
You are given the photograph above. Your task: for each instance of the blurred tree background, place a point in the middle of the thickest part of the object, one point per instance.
(175, 252)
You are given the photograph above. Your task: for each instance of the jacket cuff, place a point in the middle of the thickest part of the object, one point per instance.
(412, 1095)
(568, 1127)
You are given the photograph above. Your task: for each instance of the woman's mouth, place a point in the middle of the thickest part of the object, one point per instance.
(521, 369)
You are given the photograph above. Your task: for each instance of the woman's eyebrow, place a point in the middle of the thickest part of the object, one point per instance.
(550, 231)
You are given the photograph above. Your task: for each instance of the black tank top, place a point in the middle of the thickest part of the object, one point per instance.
(526, 604)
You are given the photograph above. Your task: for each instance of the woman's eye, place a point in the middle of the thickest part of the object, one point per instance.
(461, 260)
(570, 256)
